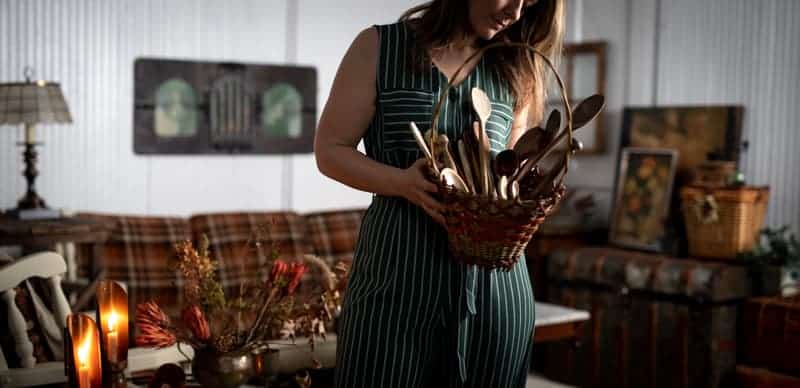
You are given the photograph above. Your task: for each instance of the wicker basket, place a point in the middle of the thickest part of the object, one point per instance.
(487, 231)
(723, 222)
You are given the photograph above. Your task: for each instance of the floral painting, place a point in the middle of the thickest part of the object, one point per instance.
(644, 188)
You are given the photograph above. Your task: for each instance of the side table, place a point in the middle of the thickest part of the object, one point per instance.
(557, 323)
(41, 235)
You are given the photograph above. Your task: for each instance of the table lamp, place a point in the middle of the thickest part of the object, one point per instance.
(31, 103)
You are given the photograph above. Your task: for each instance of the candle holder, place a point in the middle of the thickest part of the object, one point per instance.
(112, 318)
(82, 353)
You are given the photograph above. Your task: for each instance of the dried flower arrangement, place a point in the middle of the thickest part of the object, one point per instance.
(248, 322)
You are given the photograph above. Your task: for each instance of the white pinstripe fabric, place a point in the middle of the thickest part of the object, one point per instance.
(412, 317)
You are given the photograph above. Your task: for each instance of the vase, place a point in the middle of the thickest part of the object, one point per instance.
(221, 370)
(266, 366)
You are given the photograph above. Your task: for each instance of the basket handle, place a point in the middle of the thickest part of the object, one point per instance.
(562, 88)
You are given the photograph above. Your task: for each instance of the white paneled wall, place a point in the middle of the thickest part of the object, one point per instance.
(676, 52)
(89, 47)
(326, 29)
(660, 52)
(741, 52)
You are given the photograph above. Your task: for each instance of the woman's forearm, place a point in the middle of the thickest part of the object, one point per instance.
(345, 164)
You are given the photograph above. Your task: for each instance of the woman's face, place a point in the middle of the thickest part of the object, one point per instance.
(489, 17)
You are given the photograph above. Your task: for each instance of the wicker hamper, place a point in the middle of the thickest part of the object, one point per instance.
(722, 222)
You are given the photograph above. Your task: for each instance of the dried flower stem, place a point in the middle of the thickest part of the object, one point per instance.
(261, 313)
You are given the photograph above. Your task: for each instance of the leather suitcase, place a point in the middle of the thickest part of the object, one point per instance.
(656, 321)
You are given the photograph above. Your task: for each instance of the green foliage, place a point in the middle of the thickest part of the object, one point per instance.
(776, 247)
(213, 295)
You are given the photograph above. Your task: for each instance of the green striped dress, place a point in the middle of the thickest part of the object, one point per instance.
(411, 316)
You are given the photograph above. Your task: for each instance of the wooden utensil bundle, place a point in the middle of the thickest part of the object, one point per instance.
(515, 174)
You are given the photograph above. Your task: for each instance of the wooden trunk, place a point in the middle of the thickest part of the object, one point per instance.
(762, 378)
(771, 333)
(656, 321)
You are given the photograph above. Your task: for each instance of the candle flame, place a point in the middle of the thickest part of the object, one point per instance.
(112, 321)
(83, 351)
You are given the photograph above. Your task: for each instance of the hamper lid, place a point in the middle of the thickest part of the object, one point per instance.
(747, 194)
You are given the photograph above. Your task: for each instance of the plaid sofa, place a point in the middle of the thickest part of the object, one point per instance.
(140, 250)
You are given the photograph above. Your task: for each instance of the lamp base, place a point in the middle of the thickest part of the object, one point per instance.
(31, 200)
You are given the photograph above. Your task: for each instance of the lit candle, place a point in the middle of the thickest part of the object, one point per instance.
(84, 350)
(111, 344)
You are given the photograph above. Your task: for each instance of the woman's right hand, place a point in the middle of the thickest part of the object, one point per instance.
(414, 186)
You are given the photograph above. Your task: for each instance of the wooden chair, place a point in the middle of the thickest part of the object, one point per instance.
(51, 266)
(46, 265)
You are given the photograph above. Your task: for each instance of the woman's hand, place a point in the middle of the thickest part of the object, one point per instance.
(414, 186)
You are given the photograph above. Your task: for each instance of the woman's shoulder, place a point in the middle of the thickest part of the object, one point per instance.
(397, 24)
(370, 37)
(401, 26)
(365, 46)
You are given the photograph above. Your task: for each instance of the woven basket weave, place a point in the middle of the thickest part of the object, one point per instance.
(492, 232)
(723, 222)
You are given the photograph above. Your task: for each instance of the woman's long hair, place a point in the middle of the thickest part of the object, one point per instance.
(440, 22)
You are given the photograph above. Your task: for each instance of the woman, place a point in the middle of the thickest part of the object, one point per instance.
(412, 317)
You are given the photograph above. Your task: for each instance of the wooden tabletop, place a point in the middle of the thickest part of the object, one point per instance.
(51, 231)
(557, 323)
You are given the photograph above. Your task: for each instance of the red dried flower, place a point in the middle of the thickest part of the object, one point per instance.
(279, 269)
(296, 272)
(151, 335)
(149, 312)
(194, 319)
(153, 325)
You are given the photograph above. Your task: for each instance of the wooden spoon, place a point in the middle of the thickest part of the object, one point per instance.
(450, 178)
(553, 122)
(587, 110)
(483, 108)
(529, 142)
(551, 176)
(465, 165)
(513, 190)
(448, 156)
(422, 145)
(505, 165)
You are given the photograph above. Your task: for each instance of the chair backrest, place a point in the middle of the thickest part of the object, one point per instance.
(46, 265)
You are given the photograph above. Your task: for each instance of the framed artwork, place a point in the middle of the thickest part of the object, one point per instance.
(642, 198)
(191, 107)
(696, 132)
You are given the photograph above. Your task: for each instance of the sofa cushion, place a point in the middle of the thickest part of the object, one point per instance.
(239, 261)
(333, 234)
(140, 251)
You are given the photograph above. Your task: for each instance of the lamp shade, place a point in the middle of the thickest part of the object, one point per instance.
(36, 102)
